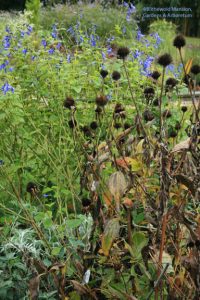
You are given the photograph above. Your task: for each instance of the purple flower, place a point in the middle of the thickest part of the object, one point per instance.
(44, 43)
(6, 41)
(24, 51)
(30, 28)
(92, 41)
(11, 69)
(103, 55)
(22, 33)
(68, 58)
(4, 64)
(1, 162)
(6, 88)
(109, 50)
(54, 34)
(58, 46)
(51, 51)
(81, 39)
(139, 35)
(137, 54)
(146, 65)
(45, 195)
(7, 29)
(33, 57)
(70, 30)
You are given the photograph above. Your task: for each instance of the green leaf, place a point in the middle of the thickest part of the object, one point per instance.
(55, 251)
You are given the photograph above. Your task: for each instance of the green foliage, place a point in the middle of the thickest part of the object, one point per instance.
(33, 6)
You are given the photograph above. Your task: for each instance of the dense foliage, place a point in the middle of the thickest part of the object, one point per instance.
(99, 163)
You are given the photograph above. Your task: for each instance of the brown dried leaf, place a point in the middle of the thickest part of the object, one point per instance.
(185, 145)
(117, 185)
(111, 232)
(34, 287)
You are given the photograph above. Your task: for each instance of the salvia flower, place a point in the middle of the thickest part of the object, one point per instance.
(139, 35)
(179, 41)
(7, 88)
(116, 75)
(51, 51)
(195, 69)
(123, 52)
(164, 60)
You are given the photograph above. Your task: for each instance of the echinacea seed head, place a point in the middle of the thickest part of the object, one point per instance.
(118, 108)
(31, 188)
(156, 102)
(148, 115)
(149, 92)
(93, 125)
(155, 75)
(172, 133)
(116, 75)
(195, 69)
(86, 202)
(122, 52)
(103, 73)
(69, 102)
(101, 100)
(164, 60)
(117, 125)
(179, 41)
(184, 109)
(127, 125)
(167, 113)
(171, 82)
(178, 125)
(98, 110)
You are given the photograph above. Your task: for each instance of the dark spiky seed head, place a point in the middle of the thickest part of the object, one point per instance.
(167, 113)
(116, 75)
(86, 130)
(172, 133)
(197, 244)
(103, 73)
(156, 102)
(127, 125)
(195, 69)
(31, 187)
(149, 92)
(122, 114)
(117, 125)
(179, 41)
(93, 125)
(155, 75)
(123, 52)
(148, 115)
(190, 244)
(164, 60)
(86, 202)
(178, 125)
(72, 123)
(171, 82)
(101, 100)
(69, 102)
(184, 109)
(118, 108)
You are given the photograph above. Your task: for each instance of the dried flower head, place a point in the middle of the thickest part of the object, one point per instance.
(148, 115)
(149, 92)
(116, 75)
(156, 102)
(155, 75)
(31, 188)
(93, 125)
(177, 125)
(179, 41)
(171, 82)
(117, 125)
(164, 60)
(195, 69)
(86, 202)
(118, 108)
(123, 52)
(69, 102)
(101, 100)
(167, 113)
(103, 73)
(184, 109)
(127, 125)
(172, 133)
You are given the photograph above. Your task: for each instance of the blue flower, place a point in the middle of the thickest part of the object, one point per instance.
(33, 57)
(54, 34)
(24, 51)
(44, 43)
(139, 35)
(51, 51)
(22, 33)
(30, 28)
(109, 50)
(6, 88)
(1, 162)
(3, 65)
(6, 41)
(58, 46)
(7, 29)
(45, 195)
(137, 54)
(146, 65)
(68, 58)
(103, 55)
(92, 40)
(81, 39)
(70, 30)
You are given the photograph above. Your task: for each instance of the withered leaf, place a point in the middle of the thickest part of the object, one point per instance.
(117, 185)
(34, 287)
(111, 232)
